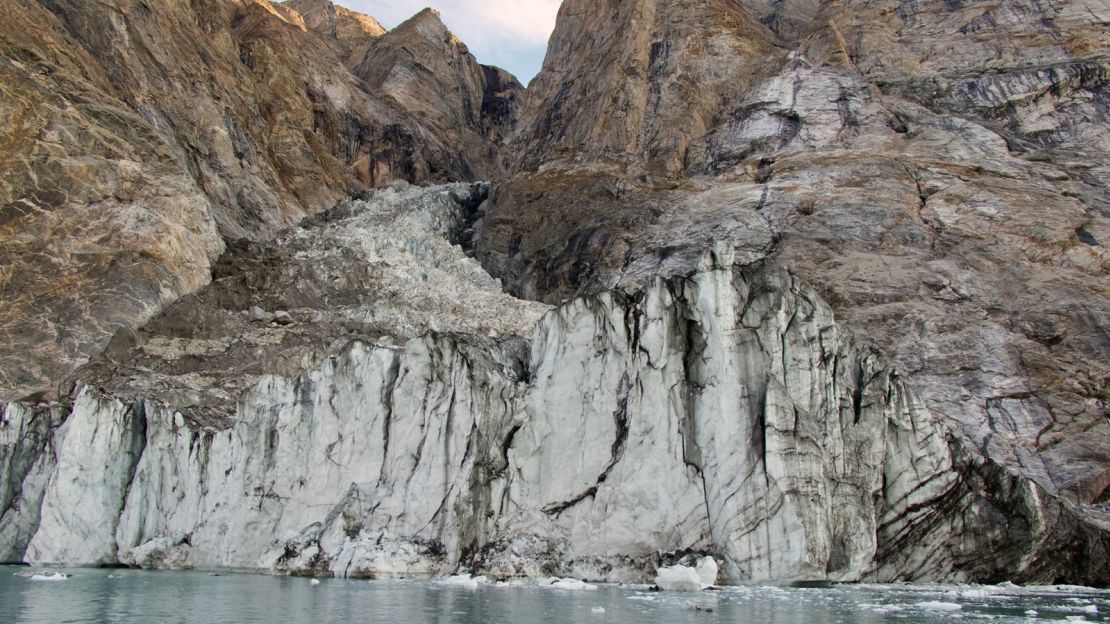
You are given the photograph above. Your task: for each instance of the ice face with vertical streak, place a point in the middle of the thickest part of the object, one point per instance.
(720, 416)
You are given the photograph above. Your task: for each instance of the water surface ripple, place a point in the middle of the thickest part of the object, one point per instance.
(131, 596)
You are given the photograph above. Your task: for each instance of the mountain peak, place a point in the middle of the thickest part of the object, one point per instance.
(428, 22)
(336, 22)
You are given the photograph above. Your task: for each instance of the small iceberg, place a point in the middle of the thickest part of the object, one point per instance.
(940, 606)
(465, 581)
(314, 582)
(41, 576)
(686, 579)
(568, 584)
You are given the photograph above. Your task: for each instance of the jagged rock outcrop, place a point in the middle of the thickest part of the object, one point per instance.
(935, 170)
(722, 412)
(421, 55)
(138, 137)
(348, 30)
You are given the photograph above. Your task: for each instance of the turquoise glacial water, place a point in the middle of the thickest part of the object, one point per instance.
(128, 596)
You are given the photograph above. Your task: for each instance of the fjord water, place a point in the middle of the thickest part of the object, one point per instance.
(126, 596)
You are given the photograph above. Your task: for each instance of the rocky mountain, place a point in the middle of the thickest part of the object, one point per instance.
(349, 31)
(140, 136)
(936, 171)
(816, 288)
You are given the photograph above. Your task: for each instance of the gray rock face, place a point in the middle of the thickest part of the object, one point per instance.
(722, 412)
(934, 170)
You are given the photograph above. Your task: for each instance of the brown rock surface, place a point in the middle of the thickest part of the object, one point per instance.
(936, 170)
(349, 30)
(137, 136)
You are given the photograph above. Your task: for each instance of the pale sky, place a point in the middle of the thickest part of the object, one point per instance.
(511, 34)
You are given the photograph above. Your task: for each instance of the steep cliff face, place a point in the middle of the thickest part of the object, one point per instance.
(721, 412)
(138, 137)
(936, 171)
(630, 84)
(831, 282)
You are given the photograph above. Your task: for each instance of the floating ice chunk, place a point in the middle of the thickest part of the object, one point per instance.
(685, 578)
(678, 578)
(1032, 613)
(1090, 609)
(976, 593)
(939, 606)
(314, 582)
(707, 572)
(49, 576)
(880, 608)
(41, 576)
(465, 581)
(598, 610)
(567, 584)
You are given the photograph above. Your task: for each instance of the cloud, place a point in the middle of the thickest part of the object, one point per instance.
(509, 33)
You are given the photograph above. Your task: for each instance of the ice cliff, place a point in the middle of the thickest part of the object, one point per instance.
(817, 289)
(721, 412)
